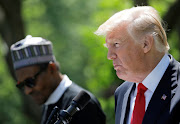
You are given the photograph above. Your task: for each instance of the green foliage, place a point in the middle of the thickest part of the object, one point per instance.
(161, 5)
(70, 24)
(108, 107)
(174, 45)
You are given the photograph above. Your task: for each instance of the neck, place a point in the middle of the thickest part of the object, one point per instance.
(151, 61)
(59, 78)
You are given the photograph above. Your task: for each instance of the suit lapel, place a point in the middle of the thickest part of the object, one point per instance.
(125, 106)
(157, 102)
(161, 98)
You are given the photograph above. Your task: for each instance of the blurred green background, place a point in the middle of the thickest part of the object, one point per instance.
(70, 25)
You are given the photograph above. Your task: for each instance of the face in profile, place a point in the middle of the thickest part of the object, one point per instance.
(127, 55)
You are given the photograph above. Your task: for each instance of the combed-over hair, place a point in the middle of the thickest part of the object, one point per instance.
(141, 21)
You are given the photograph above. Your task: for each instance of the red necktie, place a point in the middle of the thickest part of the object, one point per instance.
(139, 107)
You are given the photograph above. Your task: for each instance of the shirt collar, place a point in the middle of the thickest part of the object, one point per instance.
(58, 92)
(153, 79)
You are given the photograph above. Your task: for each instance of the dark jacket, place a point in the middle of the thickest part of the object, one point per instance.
(91, 114)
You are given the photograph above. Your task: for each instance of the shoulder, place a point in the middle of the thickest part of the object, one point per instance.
(174, 64)
(74, 89)
(123, 87)
(92, 112)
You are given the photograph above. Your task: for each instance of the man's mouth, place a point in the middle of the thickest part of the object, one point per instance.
(116, 66)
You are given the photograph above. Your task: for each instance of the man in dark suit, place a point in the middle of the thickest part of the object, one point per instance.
(138, 46)
(38, 75)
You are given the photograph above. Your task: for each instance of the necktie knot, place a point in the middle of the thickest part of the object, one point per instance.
(141, 88)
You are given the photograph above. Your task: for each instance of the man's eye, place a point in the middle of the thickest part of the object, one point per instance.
(116, 44)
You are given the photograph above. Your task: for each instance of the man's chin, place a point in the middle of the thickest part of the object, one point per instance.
(38, 101)
(120, 75)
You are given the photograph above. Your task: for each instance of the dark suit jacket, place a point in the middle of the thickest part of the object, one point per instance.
(159, 111)
(91, 114)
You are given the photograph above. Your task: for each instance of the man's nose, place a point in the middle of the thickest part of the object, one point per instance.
(111, 55)
(27, 90)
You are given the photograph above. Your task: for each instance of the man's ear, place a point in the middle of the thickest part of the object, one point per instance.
(52, 67)
(147, 43)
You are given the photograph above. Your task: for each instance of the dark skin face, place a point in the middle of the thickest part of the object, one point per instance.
(45, 83)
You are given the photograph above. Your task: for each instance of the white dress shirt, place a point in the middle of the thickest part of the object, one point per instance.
(151, 82)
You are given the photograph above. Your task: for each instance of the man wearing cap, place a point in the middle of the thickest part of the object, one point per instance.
(38, 75)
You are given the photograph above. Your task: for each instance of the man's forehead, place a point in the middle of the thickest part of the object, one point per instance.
(25, 72)
(27, 69)
(116, 35)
